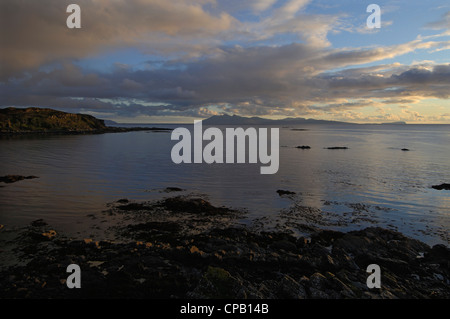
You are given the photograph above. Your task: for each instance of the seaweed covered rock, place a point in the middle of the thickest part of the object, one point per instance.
(159, 256)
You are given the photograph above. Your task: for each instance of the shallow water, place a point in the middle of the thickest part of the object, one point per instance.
(372, 183)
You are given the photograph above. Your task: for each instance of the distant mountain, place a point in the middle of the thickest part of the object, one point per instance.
(395, 123)
(236, 120)
(239, 120)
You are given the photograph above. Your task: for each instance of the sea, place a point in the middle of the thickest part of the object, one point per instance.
(371, 183)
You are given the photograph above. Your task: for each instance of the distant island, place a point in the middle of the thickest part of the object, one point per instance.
(240, 120)
(394, 123)
(48, 121)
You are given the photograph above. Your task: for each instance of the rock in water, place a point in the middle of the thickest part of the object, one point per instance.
(442, 186)
(14, 178)
(284, 192)
(173, 189)
(337, 148)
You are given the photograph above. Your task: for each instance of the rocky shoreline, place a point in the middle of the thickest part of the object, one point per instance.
(109, 129)
(184, 247)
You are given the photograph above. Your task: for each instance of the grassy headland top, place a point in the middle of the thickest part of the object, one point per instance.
(33, 119)
(43, 120)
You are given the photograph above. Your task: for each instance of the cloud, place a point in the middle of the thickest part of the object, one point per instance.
(292, 80)
(364, 29)
(35, 32)
(289, 9)
(262, 5)
(443, 23)
(289, 18)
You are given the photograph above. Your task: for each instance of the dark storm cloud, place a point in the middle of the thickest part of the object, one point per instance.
(257, 79)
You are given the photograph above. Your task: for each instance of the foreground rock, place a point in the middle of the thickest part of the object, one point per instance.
(160, 256)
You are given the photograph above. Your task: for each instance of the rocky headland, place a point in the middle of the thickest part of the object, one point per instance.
(33, 120)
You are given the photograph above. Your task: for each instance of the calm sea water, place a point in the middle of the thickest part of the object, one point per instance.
(372, 183)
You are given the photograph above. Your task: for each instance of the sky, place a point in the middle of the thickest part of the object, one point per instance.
(164, 61)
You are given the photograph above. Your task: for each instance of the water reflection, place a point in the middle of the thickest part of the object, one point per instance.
(80, 174)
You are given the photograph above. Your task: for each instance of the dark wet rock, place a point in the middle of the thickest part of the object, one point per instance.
(405, 149)
(340, 287)
(439, 254)
(191, 205)
(38, 231)
(123, 201)
(394, 264)
(285, 192)
(38, 223)
(304, 147)
(173, 189)
(326, 237)
(284, 245)
(160, 226)
(14, 178)
(217, 283)
(337, 148)
(318, 286)
(443, 186)
(292, 289)
(151, 231)
(161, 257)
(353, 243)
